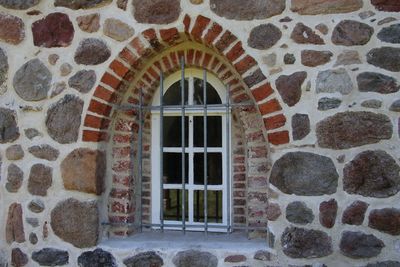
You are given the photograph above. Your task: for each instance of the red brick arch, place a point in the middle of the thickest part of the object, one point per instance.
(243, 74)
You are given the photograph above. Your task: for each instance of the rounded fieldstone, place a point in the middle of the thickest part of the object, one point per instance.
(298, 212)
(81, 4)
(384, 264)
(262, 255)
(331, 81)
(83, 81)
(14, 225)
(247, 9)
(303, 34)
(351, 129)
(53, 58)
(305, 243)
(354, 214)
(387, 5)
(313, 58)
(117, 30)
(366, 14)
(98, 258)
(385, 220)
(32, 133)
(372, 174)
(156, 11)
(15, 177)
(195, 258)
(18, 258)
(348, 57)
(122, 4)
(327, 213)
(273, 211)
(33, 238)
(32, 81)
(300, 126)
(12, 29)
(3, 66)
(372, 103)
(351, 32)
(46, 152)
(390, 34)
(51, 257)
(358, 245)
(40, 179)
(235, 258)
(289, 59)
(64, 119)
(196, 2)
(58, 88)
(327, 103)
(92, 51)
(385, 57)
(9, 131)
(89, 23)
(65, 69)
(395, 106)
(55, 30)
(144, 259)
(36, 206)
(34, 222)
(377, 82)
(14, 152)
(289, 87)
(84, 170)
(19, 4)
(264, 36)
(318, 7)
(76, 222)
(304, 174)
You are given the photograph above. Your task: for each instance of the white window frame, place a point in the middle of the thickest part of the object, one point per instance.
(156, 173)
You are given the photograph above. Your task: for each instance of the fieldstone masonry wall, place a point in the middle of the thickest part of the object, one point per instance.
(316, 158)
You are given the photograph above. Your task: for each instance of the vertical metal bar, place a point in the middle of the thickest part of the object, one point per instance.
(205, 152)
(228, 168)
(183, 141)
(161, 151)
(139, 154)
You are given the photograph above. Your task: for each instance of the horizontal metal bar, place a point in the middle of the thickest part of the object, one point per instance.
(179, 107)
(187, 226)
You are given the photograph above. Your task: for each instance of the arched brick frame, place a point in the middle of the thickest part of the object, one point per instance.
(137, 69)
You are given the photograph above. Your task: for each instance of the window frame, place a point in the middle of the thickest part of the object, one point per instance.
(156, 172)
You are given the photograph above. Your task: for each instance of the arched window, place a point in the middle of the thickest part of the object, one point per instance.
(190, 171)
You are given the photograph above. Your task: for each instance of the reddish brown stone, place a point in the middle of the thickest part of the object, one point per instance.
(313, 58)
(273, 211)
(83, 170)
(354, 214)
(55, 30)
(92, 51)
(350, 32)
(300, 126)
(11, 29)
(81, 4)
(235, 258)
(15, 226)
(316, 7)
(40, 179)
(385, 220)
(303, 34)
(358, 245)
(289, 87)
(264, 36)
(18, 258)
(122, 4)
(327, 213)
(387, 5)
(89, 23)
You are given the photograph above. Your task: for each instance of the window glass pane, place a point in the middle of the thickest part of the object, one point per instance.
(214, 206)
(214, 168)
(173, 204)
(172, 166)
(172, 131)
(214, 131)
(212, 95)
(172, 96)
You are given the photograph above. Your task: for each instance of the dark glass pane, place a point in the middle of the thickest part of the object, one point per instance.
(214, 168)
(214, 206)
(214, 131)
(173, 204)
(172, 168)
(173, 94)
(172, 131)
(212, 95)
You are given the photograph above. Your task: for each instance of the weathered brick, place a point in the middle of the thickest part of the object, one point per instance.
(269, 106)
(94, 136)
(262, 92)
(245, 64)
(199, 26)
(170, 36)
(274, 122)
(99, 108)
(119, 68)
(236, 51)
(279, 138)
(226, 40)
(212, 33)
(96, 122)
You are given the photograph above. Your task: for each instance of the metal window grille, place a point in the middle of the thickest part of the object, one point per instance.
(227, 107)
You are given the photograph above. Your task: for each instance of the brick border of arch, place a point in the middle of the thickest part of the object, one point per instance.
(122, 70)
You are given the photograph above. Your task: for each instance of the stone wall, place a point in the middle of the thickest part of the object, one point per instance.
(320, 148)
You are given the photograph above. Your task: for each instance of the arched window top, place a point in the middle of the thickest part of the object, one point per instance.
(216, 92)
